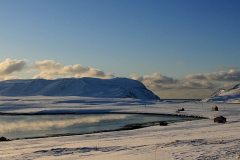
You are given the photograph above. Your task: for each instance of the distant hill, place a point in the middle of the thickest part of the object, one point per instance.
(86, 87)
(226, 95)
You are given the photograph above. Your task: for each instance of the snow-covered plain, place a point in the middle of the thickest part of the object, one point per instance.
(199, 139)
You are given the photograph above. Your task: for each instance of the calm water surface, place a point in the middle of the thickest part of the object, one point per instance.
(32, 126)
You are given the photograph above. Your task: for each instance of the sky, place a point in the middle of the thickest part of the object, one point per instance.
(176, 48)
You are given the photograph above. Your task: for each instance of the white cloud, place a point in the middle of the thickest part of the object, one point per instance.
(9, 67)
(232, 75)
(156, 82)
(198, 85)
(190, 86)
(47, 64)
(155, 77)
(50, 70)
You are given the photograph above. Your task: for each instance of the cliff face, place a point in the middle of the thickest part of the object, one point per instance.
(86, 87)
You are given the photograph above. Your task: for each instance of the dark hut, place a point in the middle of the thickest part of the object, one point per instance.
(215, 108)
(220, 119)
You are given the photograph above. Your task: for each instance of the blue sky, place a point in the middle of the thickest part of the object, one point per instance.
(178, 49)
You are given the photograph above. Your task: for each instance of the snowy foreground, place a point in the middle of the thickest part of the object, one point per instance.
(200, 139)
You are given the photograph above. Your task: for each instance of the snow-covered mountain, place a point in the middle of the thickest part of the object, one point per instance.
(86, 87)
(226, 95)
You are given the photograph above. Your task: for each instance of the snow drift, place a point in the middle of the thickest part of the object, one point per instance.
(86, 87)
(226, 95)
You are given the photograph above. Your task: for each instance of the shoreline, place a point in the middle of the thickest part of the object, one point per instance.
(127, 127)
(85, 113)
(132, 126)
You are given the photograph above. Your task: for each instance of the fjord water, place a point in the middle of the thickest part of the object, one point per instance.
(32, 126)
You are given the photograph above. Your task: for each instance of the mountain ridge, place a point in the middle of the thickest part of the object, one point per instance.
(226, 95)
(86, 87)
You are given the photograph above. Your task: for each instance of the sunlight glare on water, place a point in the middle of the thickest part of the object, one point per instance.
(30, 126)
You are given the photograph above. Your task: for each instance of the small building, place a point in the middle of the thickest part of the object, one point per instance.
(215, 108)
(220, 119)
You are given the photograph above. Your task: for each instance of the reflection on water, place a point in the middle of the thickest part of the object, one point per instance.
(28, 126)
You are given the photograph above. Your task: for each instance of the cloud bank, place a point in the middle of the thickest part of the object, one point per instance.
(9, 67)
(159, 82)
(50, 70)
(231, 75)
(190, 86)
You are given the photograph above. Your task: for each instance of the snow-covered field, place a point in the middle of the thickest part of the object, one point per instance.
(200, 139)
